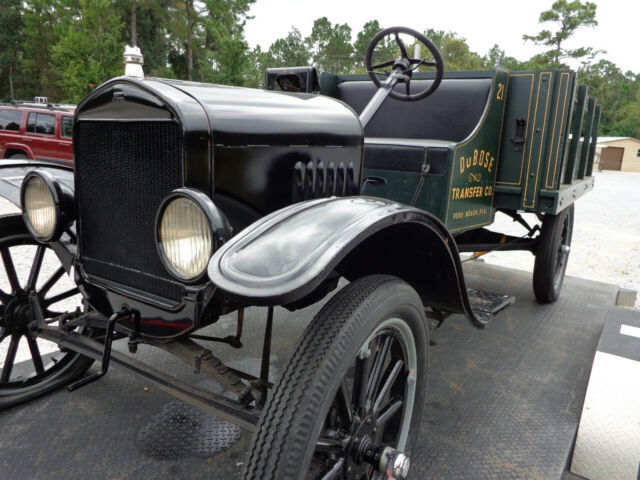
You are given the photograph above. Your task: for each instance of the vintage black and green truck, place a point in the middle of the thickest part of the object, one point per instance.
(191, 201)
(486, 141)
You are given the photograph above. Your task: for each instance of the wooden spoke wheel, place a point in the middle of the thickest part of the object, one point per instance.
(29, 366)
(349, 403)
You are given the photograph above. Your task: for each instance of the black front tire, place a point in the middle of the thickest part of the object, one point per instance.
(306, 430)
(552, 255)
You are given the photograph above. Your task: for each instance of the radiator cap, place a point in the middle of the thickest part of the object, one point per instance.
(133, 61)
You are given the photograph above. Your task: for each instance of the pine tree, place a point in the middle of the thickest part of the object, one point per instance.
(570, 16)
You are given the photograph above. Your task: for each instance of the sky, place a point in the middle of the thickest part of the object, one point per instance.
(482, 22)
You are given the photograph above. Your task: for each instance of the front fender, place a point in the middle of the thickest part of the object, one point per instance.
(13, 171)
(285, 256)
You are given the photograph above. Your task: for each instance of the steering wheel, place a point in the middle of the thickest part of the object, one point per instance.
(405, 64)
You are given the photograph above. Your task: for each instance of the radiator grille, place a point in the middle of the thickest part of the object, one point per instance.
(123, 171)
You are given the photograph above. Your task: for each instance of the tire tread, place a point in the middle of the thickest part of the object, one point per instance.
(281, 412)
(544, 265)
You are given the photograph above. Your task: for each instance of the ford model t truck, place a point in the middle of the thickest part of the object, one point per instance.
(192, 201)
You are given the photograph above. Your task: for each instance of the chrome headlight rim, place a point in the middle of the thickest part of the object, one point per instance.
(58, 195)
(213, 217)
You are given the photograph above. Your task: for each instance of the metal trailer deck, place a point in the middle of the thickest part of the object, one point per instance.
(608, 441)
(503, 402)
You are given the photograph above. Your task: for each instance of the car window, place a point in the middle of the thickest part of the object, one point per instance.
(46, 124)
(43, 123)
(10, 120)
(31, 123)
(67, 127)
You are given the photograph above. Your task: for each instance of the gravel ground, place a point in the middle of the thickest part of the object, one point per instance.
(605, 247)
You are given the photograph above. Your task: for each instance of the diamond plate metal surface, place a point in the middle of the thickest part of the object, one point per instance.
(608, 443)
(95, 432)
(502, 402)
(180, 430)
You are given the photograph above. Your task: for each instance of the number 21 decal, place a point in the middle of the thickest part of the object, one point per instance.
(500, 94)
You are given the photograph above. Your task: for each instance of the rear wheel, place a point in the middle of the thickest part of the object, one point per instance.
(19, 156)
(349, 403)
(30, 367)
(552, 255)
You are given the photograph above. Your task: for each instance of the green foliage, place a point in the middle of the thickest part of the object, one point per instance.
(225, 47)
(385, 50)
(206, 40)
(152, 16)
(289, 51)
(10, 42)
(43, 21)
(569, 17)
(258, 62)
(495, 56)
(455, 51)
(369, 30)
(330, 46)
(87, 53)
(619, 95)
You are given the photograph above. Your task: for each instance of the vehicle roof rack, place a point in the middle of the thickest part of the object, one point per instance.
(39, 104)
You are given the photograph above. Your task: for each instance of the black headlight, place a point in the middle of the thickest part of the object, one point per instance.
(47, 206)
(189, 228)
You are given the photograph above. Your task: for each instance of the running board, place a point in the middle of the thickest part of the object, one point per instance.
(486, 305)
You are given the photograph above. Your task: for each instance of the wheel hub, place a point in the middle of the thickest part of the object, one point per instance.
(17, 314)
(356, 465)
(364, 452)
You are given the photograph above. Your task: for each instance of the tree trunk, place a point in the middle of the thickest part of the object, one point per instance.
(11, 82)
(134, 26)
(189, 8)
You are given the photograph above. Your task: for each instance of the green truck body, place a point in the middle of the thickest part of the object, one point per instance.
(525, 152)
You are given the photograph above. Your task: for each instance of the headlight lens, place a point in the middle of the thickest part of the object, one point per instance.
(185, 237)
(40, 207)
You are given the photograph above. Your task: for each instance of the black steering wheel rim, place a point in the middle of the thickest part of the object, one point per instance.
(438, 63)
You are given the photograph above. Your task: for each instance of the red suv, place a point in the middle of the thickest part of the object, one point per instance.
(39, 131)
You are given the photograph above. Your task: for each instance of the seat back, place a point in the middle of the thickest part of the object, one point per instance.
(450, 113)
